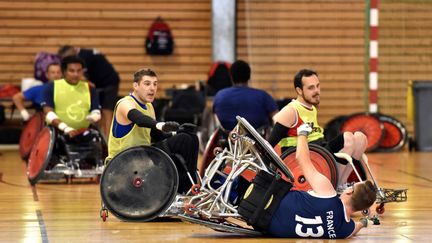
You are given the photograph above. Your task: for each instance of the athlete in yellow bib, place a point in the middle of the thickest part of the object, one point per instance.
(303, 110)
(71, 104)
(134, 123)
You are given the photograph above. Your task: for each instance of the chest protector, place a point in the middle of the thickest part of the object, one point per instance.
(136, 136)
(72, 103)
(304, 115)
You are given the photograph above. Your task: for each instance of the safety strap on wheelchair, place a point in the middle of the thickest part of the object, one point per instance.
(262, 199)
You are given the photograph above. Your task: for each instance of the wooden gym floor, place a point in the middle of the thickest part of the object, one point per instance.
(60, 212)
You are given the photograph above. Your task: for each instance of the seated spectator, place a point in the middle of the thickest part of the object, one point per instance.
(35, 94)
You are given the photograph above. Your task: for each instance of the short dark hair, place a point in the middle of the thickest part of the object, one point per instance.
(71, 59)
(240, 71)
(138, 75)
(303, 73)
(63, 49)
(364, 195)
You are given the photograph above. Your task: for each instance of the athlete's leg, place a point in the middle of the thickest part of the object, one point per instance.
(360, 141)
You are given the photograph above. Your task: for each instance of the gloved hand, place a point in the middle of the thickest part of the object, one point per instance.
(25, 115)
(188, 128)
(169, 126)
(364, 222)
(304, 129)
(94, 116)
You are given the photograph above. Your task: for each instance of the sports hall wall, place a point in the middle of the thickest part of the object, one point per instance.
(331, 36)
(116, 28)
(277, 37)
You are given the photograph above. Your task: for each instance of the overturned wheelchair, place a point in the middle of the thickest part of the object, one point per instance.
(142, 184)
(55, 156)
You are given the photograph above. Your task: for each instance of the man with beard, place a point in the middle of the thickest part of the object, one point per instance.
(134, 124)
(303, 110)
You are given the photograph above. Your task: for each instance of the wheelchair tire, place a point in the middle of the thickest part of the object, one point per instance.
(323, 161)
(332, 128)
(40, 155)
(29, 134)
(395, 134)
(208, 154)
(352, 178)
(139, 183)
(367, 123)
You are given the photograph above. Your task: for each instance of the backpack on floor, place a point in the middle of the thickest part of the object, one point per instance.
(159, 39)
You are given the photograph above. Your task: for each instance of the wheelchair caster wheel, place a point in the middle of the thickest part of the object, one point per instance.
(195, 189)
(217, 150)
(189, 208)
(233, 136)
(380, 209)
(104, 214)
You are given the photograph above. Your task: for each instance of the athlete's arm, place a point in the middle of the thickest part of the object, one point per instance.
(358, 226)
(283, 120)
(319, 183)
(287, 117)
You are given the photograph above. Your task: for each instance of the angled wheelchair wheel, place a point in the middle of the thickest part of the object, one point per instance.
(323, 161)
(139, 183)
(353, 178)
(209, 153)
(367, 123)
(30, 133)
(395, 134)
(40, 154)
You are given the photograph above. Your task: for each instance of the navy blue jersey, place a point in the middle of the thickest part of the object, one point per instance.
(306, 215)
(252, 104)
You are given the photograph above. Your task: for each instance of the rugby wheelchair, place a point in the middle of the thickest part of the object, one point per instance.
(140, 183)
(30, 133)
(55, 156)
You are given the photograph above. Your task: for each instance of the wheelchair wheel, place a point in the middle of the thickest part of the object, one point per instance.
(332, 128)
(40, 155)
(323, 161)
(395, 134)
(30, 133)
(352, 178)
(367, 123)
(139, 183)
(209, 154)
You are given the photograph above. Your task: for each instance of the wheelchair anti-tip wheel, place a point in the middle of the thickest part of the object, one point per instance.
(323, 161)
(139, 183)
(40, 155)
